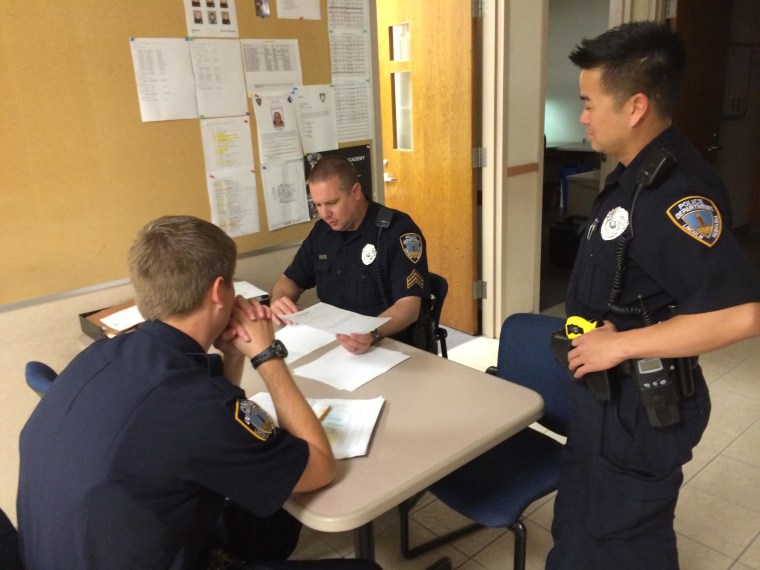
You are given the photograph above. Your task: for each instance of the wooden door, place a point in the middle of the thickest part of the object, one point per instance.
(426, 85)
(705, 26)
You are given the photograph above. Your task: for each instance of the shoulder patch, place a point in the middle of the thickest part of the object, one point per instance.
(255, 419)
(699, 218)
(412, 246)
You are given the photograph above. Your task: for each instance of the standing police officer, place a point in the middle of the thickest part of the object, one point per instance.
(660, 272)
(361, 257)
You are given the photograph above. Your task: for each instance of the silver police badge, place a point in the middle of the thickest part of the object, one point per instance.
(614, 224)
(369, 253)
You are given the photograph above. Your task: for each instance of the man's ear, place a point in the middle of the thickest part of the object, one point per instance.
(639, 107)
(217, 291)
(356, 190)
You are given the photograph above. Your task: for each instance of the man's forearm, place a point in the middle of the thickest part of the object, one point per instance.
(403, 313)
(688, 335)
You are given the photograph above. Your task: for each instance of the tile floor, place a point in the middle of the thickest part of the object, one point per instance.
(718, 515)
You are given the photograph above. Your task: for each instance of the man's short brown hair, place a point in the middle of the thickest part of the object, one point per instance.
(332, 166)
(173, 262)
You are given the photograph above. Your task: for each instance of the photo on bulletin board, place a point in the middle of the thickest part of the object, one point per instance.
(357, 155)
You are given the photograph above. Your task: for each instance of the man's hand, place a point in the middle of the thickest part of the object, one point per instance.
(250, 329)
(594, 350)
(355, 343)
(252, 310)
(280, 308)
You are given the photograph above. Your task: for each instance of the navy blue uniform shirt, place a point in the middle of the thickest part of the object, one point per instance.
(354, 271)
(682, 253)
(126, 461)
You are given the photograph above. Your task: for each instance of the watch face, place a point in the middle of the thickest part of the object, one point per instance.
(279, 348)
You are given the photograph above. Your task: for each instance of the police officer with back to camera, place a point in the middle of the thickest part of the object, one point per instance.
(145, 452)
(658, 280)
(361, 256)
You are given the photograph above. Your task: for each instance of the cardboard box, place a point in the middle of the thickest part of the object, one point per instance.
(92, 325)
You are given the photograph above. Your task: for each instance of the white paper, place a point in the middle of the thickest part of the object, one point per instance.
(124, 319)
(298, 10)
(350, 56)
(230, 177)
(348, 424)
(248, 290)
(219, 79)
(164, 77)
(211, 18)
(276, 127)
(227, 143)
(344, 370)
(317, 123)
(285, 193)
(353, 107)
(234, 206)
(335, 320)
(271, 63)
(301, 340)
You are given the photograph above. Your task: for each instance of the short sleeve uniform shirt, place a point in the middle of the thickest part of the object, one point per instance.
(682, 254)
(127, 460)
(366, 270)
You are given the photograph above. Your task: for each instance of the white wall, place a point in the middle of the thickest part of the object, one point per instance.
(569, 22)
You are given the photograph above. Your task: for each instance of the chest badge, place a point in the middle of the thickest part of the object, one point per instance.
(369, 253)
(699, 217)
(614, 224)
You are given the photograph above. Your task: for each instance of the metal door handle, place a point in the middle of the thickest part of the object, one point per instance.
(388, 178)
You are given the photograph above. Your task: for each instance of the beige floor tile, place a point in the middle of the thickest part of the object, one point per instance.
(731, 479)
(479, 353)
(743, 378)
(312, 547)
(715, 522)
(740, 566)
(732, 414)
(499, 555)
(702, 456)
(695, 556)
(747, 446)
(388, 554)
(751, 556)
(544, 515)
(470, 565)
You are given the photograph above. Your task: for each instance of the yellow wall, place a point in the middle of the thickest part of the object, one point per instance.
(80, 171)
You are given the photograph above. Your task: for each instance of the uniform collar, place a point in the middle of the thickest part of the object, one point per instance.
(625, 176)
(167, 334)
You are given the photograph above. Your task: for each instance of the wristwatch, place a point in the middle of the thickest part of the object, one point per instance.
(375, 335)
(275, 350)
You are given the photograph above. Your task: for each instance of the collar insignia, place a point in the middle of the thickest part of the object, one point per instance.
(699, 218)
(255, 419)
(412, 246)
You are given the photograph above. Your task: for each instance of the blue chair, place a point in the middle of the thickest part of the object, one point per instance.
(39, 376)
(494, 489)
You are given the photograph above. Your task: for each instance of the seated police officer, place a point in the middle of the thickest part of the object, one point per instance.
(361, 257)
(659, 269)
(146, 454)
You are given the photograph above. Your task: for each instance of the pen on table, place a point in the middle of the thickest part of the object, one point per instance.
(324, 413)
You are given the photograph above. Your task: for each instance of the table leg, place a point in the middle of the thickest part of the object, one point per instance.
(364, 542)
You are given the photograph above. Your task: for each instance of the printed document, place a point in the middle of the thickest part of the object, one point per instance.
(336, 320)
(348, 423)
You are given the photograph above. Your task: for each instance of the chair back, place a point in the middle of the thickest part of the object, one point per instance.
(39, 376)
(10, 558)
(526, 358)
(439, 288)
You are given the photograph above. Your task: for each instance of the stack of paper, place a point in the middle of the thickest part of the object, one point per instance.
(348, 423)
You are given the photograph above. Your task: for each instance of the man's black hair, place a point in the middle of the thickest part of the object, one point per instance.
(638, 57)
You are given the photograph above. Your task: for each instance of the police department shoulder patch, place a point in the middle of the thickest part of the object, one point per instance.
(255, 419)
(699, 218)
(412, 246)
